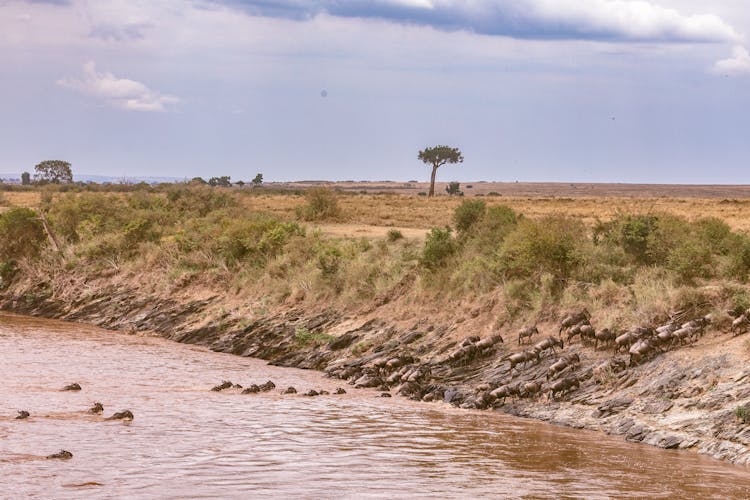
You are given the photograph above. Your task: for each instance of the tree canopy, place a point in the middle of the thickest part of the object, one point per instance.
(54, 172)
(438, 156)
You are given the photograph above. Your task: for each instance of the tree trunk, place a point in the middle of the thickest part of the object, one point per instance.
(432, 181)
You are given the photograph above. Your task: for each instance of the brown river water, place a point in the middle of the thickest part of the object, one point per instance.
(187, 441)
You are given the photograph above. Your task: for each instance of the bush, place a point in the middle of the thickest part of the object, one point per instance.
(21, 234)
(438, 248)
(253, 240)
(322, 204)
(743, 414)
(304, 337)
(8, 270)
(199, 200)
(467, 214)
(394, 235)
(454, 189)
(329, 260)
(548, 245)
(690, 260)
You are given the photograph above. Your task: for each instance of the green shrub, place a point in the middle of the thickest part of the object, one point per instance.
(329, 260)
(253, 240)
(21, 234)
(322, 204)
(438, 248)
(304, 337)
(8, 270)
(467, 214)
(743, 414)
(691, 259)
(492, 228)
(199, 200)
(85, 215)
(549, 245)
(394, 235)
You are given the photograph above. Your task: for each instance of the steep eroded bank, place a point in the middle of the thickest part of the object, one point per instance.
(693, 395)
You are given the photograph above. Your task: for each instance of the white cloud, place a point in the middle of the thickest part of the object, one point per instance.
(607, 20)
(119, 92)
(738, 64)
(634, 20)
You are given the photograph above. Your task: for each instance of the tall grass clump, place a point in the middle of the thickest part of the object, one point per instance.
(21, 234)
(321, 204)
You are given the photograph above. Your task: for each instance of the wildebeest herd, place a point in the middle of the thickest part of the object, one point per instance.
(640, 343)
(545, 363)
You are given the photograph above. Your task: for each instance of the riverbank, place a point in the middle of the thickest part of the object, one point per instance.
(685, 398)
(420, 314)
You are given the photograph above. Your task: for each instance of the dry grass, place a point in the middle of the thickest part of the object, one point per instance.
(23, 198)
(405, 211)
(364, 212)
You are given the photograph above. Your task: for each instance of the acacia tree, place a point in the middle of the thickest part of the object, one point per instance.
(54, 172)
(437, 157)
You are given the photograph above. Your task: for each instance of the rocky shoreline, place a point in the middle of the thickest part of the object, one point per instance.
(685, 398)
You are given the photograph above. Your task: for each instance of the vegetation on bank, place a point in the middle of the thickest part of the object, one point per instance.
(631, 267)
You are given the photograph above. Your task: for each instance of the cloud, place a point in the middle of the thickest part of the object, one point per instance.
(738, 64)
(609, 20)
(119, 33)
(119, 92)
(52, 2)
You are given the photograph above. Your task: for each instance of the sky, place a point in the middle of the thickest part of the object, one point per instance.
(530, 90)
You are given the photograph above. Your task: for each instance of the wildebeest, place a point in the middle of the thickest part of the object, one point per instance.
(563, 385)
(548, 343)
(683, 334)
(490, 341)
(605, 336)
(527, 332)
(573, 319)
(575, 330)
(587, 332)
(740, 324)
(530, 389)
(641, 350)
(522, 357)
(625, 340)
(562, 363)
(506, 390)
(121, 415)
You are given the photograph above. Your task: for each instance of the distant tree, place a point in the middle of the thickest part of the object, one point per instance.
(222, 181)
(54, 172)
(258, 180)
(437, 157)
(197, 180)
(241, 184)
(454, 189)
(25, 178)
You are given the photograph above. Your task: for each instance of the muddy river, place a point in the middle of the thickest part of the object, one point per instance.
(186, 441)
